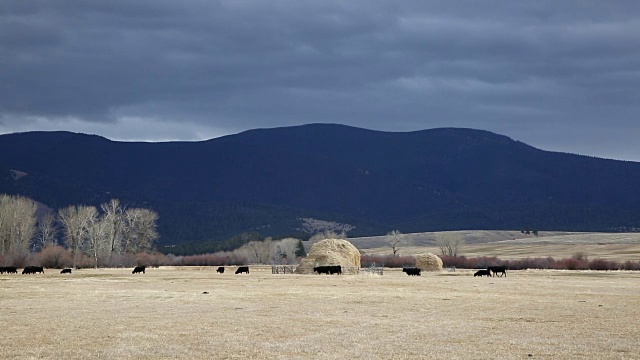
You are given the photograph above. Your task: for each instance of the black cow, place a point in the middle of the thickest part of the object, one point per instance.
(11, 269)
(502, 270)
(65, 271)
(321, 270)
(220, 270)
(242, 269)
(2, 269)
(482, 273)
(33, 270)
(412, 271)
(335, 269)
(139, 269)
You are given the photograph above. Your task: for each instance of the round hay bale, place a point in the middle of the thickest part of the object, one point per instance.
(429, 262)
(331, 252)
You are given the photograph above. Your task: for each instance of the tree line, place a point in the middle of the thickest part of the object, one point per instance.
(100, 233)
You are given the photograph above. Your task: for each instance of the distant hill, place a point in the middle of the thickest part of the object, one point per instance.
(513, 244)
(269, 180)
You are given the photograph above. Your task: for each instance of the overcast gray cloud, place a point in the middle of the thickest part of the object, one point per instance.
(558, 75)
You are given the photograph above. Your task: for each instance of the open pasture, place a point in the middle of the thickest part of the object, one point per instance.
(166, 314)
(509, 245)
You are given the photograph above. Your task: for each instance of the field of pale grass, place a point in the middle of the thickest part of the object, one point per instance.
(166, 314)
(508, 245)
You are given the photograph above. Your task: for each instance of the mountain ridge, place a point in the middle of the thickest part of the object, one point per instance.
(433, 179)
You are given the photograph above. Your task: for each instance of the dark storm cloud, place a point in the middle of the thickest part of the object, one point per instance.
(558, 75)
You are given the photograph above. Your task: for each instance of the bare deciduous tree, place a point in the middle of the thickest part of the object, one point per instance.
(17, 224)
(284, 251)
(113, 215)
(25, 223)
(259, 251)
(269, 251)
(47, 230)
(98, 238)
(139, 230)
(76, 221)
(395, 241)
(4, 221)
(449, 243)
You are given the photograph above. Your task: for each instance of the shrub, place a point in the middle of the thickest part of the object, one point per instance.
(602, 264)
(631, 265)
(122, 260)
(577, 262)
(152, 260)
(84, 262)
(55, 257)
(387, 261)
(19, 260)
(580, 256)
(217, 259)
(570, 264)
(456, 261)
(531, 263)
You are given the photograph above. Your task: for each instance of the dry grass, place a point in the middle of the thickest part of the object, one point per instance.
(515, 245)
(165, 315)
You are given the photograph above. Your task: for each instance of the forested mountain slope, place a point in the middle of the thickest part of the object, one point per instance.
(266, 180)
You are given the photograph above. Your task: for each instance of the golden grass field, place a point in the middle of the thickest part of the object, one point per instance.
(165, 314)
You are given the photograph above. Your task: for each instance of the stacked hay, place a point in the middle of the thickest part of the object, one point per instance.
(429, 262)
(331, 252)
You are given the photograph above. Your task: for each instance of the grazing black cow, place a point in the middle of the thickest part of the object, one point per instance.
(33, 270)
(502, 270)
(220, 270)
(328, 269)
(412, 271)
(11, 269)
(242, 269)
(65, 271)
(2, 269)
(482, 273)
(139, 269)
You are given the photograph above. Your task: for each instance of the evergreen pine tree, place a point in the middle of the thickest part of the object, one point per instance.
(300, 252)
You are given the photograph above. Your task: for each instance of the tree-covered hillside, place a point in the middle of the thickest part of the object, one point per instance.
(267, 180)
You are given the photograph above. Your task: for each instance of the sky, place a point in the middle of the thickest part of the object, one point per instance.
(558, 75)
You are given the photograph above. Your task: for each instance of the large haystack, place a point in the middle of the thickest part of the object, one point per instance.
(331, 252)
(429, 262)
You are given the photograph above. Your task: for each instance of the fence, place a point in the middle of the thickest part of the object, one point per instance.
(283, 269)
(373, 269)
(346, 270)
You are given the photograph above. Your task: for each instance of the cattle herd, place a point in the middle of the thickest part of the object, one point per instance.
(33, 270)
(8, 269)
(491, 271)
